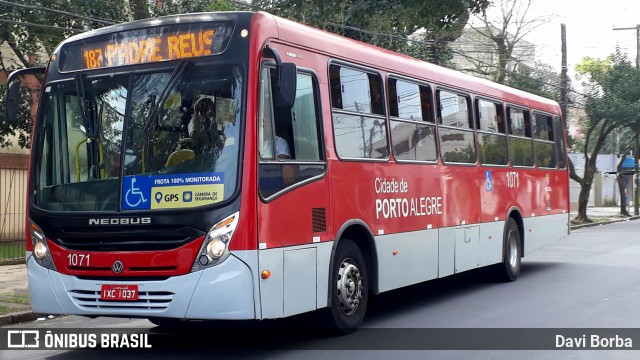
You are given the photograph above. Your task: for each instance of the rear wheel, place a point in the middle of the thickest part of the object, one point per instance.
(349, 287)
(512, 252)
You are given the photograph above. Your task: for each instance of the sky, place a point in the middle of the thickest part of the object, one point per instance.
(590, 31)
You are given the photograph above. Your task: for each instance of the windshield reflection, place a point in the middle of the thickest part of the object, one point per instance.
(153, 133)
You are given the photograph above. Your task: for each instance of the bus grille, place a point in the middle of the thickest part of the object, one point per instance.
(125, 238)
(147, 300)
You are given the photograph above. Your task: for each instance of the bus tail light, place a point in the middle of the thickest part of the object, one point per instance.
(41, 251)
(215, 248)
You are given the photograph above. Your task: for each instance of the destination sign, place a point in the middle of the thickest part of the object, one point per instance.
(148, 45)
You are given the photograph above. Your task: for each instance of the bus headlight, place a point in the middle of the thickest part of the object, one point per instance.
(41, 252)
(215, 248)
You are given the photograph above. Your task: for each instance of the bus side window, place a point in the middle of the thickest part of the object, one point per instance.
(357, 109)
(413, 135)
(561, 148)
(299, 127)
(543, 143)
(520, 144)
(456, 128)
(492, 141)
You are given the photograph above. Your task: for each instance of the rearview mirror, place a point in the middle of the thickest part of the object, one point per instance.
(12, 102)
(13, 97)
(286, 82)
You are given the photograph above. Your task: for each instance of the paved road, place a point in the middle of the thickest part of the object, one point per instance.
(590, 279)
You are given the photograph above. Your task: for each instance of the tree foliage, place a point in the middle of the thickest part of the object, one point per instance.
(540, 79)
(22, 130)
(385, 23)
(32, 32)
(30, 39)
(613, 102)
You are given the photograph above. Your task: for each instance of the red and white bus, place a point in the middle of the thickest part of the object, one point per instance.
(243, 166)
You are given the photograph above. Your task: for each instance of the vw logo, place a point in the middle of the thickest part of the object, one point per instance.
(117, 267)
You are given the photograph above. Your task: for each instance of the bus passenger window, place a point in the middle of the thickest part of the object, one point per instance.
(358, 108)
(492, 141)
(412, 128)
(520, 144)
(544, 145)
(490, 116)
(457, 140)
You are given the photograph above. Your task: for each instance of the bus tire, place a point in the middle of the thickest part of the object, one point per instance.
(349, 287)
(509, 269)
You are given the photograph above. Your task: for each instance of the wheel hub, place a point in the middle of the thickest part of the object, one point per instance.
(349, 286)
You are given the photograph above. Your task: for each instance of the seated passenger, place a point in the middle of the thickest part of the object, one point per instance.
(282, 148)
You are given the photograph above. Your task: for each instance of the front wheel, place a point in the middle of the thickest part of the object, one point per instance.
(509, 269)
(349, 287)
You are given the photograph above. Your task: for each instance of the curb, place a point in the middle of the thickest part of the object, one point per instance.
(575, 227)
(16, 318)
(12, 262)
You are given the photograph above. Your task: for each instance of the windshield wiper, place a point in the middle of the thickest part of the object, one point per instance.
(175, 76)
(82, 104)
(87, 111)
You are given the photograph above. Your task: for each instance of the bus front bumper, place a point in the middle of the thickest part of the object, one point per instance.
(224, 291)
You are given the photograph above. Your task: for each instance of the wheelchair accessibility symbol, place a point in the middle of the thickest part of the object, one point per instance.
(134, 197)
(488, 180)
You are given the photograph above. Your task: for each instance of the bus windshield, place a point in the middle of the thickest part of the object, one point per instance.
(139, 141)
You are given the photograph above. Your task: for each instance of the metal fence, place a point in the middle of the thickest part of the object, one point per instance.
(13, 185)
(12, 250)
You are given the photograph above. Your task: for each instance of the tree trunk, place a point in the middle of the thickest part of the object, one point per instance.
(585, 189)
(590, 170)
(623, 195)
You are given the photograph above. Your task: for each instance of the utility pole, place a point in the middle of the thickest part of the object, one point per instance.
(636, 152)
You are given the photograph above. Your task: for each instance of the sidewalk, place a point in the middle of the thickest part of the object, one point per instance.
(603, 215)
(14, 294)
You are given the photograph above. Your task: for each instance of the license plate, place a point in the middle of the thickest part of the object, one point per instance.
(119, 292)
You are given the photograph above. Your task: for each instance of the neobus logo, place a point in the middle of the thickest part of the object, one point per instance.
(120, 221)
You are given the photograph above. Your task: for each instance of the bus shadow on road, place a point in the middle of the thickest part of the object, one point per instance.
(436, 292)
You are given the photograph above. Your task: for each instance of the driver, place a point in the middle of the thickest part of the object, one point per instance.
(203, 132)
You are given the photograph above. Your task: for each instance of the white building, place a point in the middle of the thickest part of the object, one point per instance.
(475, 53)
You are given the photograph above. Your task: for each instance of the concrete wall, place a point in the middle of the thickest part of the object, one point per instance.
(604, 191)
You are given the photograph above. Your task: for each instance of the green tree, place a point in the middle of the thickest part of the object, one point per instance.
(613, 102)
(192, 6)
(385, 23)
(540, 79)
(33, 28)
